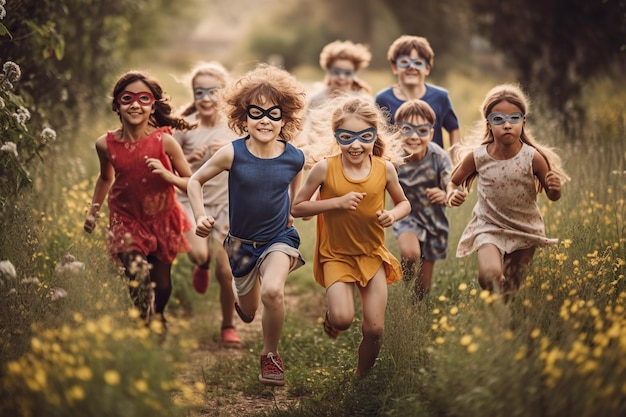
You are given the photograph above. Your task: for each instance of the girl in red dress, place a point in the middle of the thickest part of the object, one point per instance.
(140, 163)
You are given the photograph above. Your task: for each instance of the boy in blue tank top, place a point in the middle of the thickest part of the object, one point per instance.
(264, 170)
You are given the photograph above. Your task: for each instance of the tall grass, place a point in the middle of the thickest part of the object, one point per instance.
(70, 343)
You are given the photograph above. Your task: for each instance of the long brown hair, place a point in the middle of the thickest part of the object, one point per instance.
(162, 115)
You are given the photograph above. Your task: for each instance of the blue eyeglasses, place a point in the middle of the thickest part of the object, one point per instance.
(501, 118)
(407, 129)
(200, 92)
(405, 61)
(340, 72)
(346, 137)
(274, 113)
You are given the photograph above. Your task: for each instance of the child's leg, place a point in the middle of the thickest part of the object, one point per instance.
(490, 270)
(201, 257)
(136, 268)
(340, 300)
(224, 277)
(374, 303)
(515, 267)
(199, 253)
(425, 278)
(410, 252)
(160, 275)
(274, 270)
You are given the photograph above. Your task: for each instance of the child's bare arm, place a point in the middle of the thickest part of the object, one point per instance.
(548, 179)
(102, 187)
(401, 206)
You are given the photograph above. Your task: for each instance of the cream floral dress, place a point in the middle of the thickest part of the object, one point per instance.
(506, 214)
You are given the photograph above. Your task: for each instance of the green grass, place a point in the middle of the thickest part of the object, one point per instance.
(558, 349)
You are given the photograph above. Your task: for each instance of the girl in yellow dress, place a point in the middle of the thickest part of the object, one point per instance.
(351, 222)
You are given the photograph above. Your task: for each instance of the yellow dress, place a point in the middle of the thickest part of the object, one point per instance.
(350, 244)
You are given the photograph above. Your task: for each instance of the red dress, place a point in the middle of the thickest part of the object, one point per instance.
(144, 213)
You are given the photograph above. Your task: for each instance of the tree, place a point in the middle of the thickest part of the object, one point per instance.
(556, 45)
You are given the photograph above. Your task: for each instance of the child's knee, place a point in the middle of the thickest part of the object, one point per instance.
(272, 295)
(373, 332)
(411, 254)
(489, 277)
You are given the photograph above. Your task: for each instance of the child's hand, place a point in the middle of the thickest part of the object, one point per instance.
(456, 197)
(436, 195)
(351, 200)
(553, 182)
(204, 225)
(197, 154)
(91, 218)
(217, 144)
(385, 218)
(157, 168)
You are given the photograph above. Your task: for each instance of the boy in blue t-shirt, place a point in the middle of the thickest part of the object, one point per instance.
(411, 59)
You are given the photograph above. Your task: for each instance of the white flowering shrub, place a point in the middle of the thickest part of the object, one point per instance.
(18, 144)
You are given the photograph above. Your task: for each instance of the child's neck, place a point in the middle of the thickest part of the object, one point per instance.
(207, 121)
(409, 92)
(133, 133)
(359, 170)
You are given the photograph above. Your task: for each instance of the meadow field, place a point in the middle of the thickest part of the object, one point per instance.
(71, 345)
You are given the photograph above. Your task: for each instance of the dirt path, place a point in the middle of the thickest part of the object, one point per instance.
(236, 402)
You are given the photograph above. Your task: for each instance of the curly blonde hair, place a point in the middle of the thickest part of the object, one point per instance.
(213, 69)
(356, 53)
(265, 83)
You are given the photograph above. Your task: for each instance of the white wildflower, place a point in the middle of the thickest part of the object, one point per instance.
(12, 71)
(3, 12)
(22, 115)
(48, 135)
(9, 147)
(30, 280)
(7, 269)
(57, 293)
(69, 264)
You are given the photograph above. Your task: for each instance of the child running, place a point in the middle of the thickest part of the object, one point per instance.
(411, 59)
(264, 171)
(349, 249)
(424, 175)
(512, 168)
(138, 162)
(207, 80)
(342, 60)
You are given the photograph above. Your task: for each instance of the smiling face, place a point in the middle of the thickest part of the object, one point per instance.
(416, 133)
(133, 108)
(206, 90)
(358, 150)
(410, 75)
(264, 121)
(340, 75)
(506, 133)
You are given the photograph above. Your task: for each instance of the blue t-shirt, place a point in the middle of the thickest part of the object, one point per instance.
(258, 192)
(438, 100)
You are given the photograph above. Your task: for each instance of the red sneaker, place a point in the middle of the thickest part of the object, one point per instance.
(200, 279)
(230, 338)
(272, 370)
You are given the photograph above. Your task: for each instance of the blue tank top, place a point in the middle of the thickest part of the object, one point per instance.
(258, 197)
